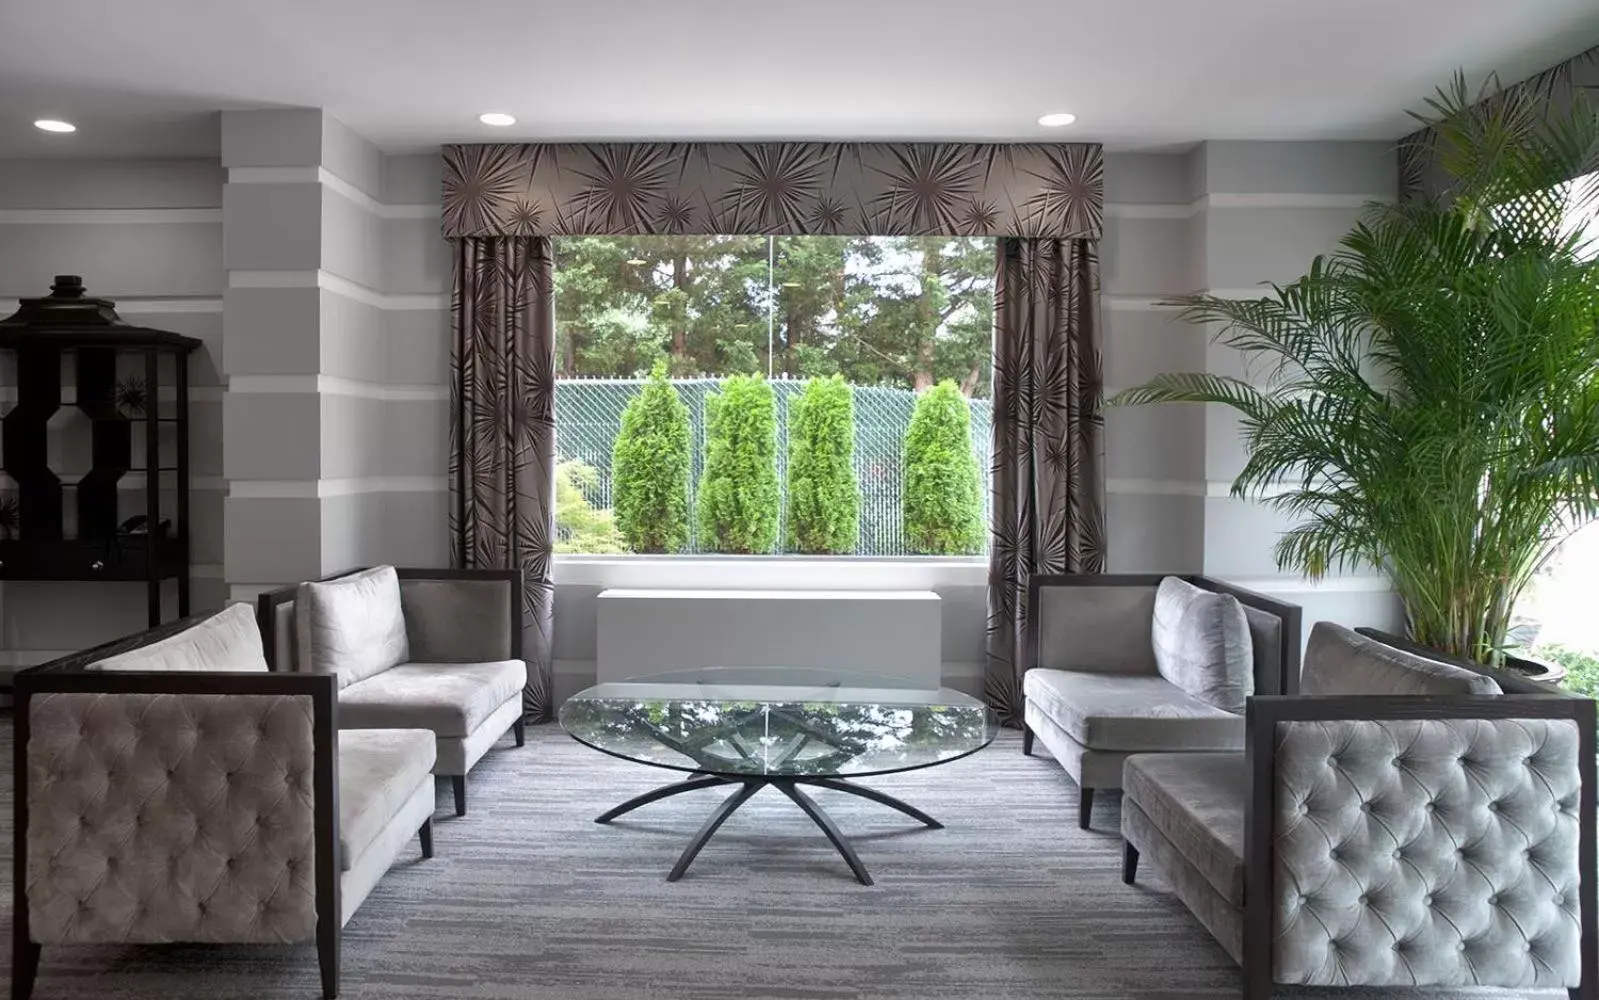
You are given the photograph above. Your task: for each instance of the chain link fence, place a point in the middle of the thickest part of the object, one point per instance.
(588, 416)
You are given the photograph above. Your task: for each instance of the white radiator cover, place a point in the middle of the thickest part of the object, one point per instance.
(894, 633)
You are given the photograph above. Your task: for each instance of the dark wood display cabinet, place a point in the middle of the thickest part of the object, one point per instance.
(128, 414)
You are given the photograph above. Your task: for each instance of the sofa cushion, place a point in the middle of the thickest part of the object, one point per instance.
(451, 699)
(1197, 801)
(457, 621)
(352, 626)
(379, 770)
(1130, 713)
(1341, 661)
(1202, 645)
(228, 640)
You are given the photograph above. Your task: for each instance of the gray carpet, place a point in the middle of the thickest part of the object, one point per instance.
(528, 898)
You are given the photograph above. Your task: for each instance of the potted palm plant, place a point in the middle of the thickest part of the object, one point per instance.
(1425, 399)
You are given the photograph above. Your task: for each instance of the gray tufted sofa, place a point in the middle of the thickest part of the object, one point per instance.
(457, 669)
(1094, 693)
(1400, 824)
(170, 789)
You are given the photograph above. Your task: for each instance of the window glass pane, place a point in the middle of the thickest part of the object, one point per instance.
(891, 316)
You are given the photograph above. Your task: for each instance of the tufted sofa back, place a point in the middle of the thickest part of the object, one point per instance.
(168, 806)
(170, 817)
(1420, 840)
(1437, 852)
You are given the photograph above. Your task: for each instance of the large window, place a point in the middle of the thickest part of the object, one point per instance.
(891, 317)
(1555, 618)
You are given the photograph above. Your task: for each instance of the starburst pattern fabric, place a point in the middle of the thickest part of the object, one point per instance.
(1043, 190)
(502, 429)
(1049, 451)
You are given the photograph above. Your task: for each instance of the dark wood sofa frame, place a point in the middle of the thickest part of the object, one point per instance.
(67, 676)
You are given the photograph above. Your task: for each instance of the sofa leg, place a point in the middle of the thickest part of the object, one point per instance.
(1027, 741)
(458, 781)
(1129, 862)
(24, 968)
(425, 834)
(1085, 806)
(519, 730)
(327, 953)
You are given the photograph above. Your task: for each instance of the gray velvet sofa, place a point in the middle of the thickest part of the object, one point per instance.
(170, 789)
(1094, 694)
(455, 667)
(1401, 823)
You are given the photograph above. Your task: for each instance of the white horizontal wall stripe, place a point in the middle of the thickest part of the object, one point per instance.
(1180, 210)
(109, 216)
(323, 176)
(1137, 303)
(1156, 487)
(1373, 583)
(305, 489)
(1288, 200)
(334, 283)
(334, 385)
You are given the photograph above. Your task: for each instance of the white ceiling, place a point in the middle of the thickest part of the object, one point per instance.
(142, 78)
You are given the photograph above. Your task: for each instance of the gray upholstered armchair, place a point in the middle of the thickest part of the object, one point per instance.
(170, 789)
(437, 649)
(1131, 663)
(1402, 823)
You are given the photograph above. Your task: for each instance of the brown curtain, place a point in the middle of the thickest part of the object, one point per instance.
(502, 428)
(1049, 476)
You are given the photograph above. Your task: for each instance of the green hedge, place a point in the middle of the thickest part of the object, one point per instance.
(650, 462)
(579, 525)
(739, 497)
(943, 486)
(823, 495)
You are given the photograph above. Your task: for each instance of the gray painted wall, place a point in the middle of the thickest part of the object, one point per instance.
(149, 235)
(328, 287)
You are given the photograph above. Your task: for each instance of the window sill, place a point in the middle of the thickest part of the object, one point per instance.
(771, 572)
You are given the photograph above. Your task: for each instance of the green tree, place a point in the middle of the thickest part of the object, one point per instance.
(738, 497)
(650, 462)
(943, 490)
(580, 526)
(823, 496)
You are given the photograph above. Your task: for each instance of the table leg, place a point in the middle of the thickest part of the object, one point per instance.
(821, 819)
(665, 791)
(882, 798)
(723, 811)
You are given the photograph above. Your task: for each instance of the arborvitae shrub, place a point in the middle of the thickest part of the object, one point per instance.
(650, 465)
(738, 496)
(943, 487)
(823, 495)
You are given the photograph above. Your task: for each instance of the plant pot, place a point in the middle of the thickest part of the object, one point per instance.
(1542, 671)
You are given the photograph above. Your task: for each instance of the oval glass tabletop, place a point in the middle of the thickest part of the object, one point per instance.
(778, 721)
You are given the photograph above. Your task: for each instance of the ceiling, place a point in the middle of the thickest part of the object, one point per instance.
(145, 78)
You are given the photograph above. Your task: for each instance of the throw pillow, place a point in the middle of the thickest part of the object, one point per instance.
(352, 626)
(1340, 661)
(1201, 643)
(228, 640)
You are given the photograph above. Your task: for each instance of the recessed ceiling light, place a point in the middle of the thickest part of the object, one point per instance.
(54, 125)
(1055, 119)
(636, 261)
(499, 119)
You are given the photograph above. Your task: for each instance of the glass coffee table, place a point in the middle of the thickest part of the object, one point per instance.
(772, 726)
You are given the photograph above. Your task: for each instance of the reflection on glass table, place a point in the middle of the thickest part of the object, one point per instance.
(754, 727)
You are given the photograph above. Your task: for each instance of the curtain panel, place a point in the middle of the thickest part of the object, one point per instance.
(1419, 173)
(1049, 452)
(502, 429)
(1043, 190)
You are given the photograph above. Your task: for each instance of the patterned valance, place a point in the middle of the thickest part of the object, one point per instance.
(775, 188)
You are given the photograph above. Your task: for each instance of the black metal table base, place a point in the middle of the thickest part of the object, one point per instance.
(789, 786)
